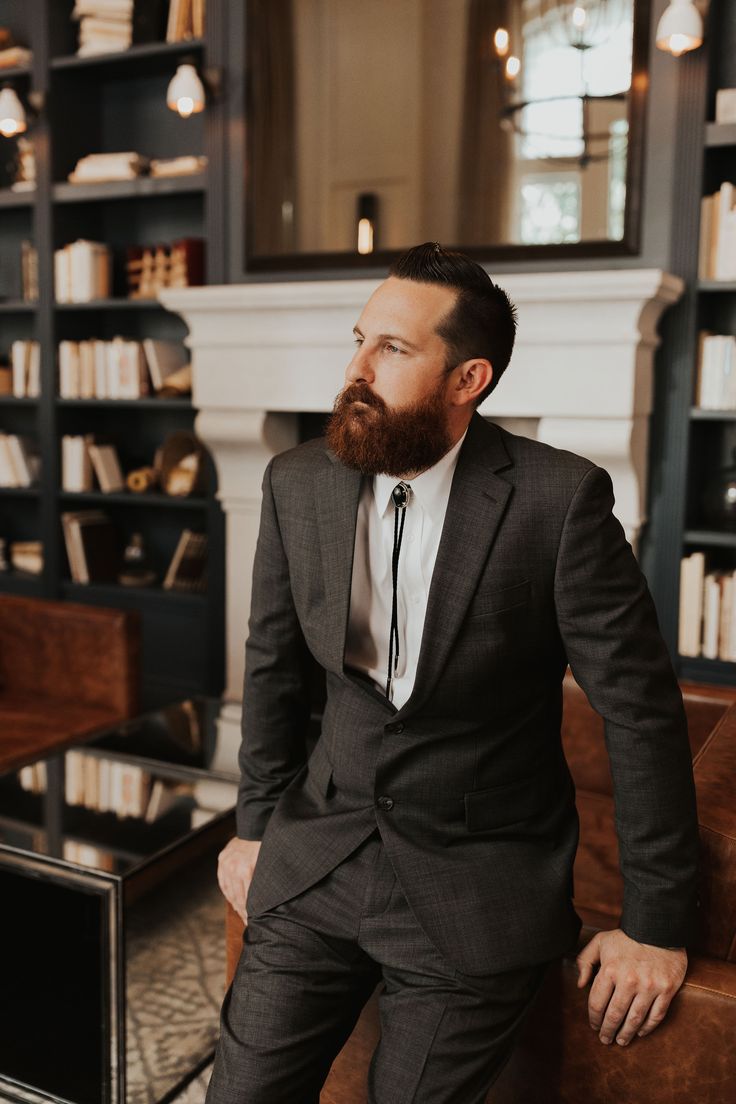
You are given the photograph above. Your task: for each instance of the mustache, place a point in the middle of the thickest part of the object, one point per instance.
(359, 392)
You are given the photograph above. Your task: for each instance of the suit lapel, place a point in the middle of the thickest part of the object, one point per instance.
(337, 494)
(475, 509)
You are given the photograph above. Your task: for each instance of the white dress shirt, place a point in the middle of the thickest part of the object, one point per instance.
(369, 623)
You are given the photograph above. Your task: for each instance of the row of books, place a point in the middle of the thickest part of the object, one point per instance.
(93, 550)
(20, 461)
(100, 168)
(11, 54)
(717, 250)
(148, 269)
(25, 556)
(83, 269)
(107, 26)
(22, 377)
(129, 790)
(122, 368)
(29, 271)
(707, 619)
(715, 383)
(186, 20)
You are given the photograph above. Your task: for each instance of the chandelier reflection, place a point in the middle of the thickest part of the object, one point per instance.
(564, 91)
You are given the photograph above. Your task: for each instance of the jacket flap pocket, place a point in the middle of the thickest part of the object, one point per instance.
(503, 806)
(500, 598)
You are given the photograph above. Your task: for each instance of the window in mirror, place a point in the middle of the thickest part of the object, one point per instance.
(504, 127)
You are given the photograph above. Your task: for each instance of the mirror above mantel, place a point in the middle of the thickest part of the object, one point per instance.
(376, 124)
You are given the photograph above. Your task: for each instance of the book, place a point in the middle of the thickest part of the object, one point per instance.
(93, 546)
(692, 573)
(188, 567)
(164, 358)
(107, 467)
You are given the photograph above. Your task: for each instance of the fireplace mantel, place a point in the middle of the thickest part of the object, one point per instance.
(581, 378)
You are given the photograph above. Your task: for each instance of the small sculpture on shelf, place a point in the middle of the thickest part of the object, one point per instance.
(136, 571)
(719, 499)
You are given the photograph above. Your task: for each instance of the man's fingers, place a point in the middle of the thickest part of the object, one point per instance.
(657, 1013)
(636, 1016)
(618, 1007)
(600, 995)
(587, 959)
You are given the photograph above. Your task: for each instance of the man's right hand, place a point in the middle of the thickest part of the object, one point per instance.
(235, 865)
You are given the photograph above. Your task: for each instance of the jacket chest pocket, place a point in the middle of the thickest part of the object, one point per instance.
(492, 600)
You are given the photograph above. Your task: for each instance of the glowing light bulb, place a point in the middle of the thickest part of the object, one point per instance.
(501, 41)
(513, 66)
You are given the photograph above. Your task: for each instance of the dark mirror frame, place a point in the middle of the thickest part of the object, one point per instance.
(629, 245)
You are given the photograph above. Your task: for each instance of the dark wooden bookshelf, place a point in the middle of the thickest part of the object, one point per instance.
(117, 101)
(695, 442)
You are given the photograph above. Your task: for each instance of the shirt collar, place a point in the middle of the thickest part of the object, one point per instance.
(431, 488)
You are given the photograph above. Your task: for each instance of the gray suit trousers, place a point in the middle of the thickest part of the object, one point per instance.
(309, 965)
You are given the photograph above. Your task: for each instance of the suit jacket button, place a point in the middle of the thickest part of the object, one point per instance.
(385, 803)
(395, 727)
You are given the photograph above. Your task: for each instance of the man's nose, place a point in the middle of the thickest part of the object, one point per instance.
(359, 369)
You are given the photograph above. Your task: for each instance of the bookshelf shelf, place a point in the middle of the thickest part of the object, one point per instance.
(130, 498)
(146, 403)
(17, 306)
(9, 198)
(717, 285)
(108, 592)
(15, 72)
(111, 304)
(15, 400)
(720, 134)
(699, 414)
(712, 538)
(133, 58)
(15, 582)
(141, 187)
(21, 492)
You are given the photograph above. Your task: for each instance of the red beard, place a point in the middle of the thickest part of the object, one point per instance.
(378, 439)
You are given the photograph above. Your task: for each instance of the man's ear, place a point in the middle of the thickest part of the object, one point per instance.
(473, 376)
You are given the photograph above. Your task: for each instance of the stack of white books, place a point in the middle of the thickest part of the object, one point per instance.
(25, 358)
(105, 26)
(707, 622)
(117, 369)
(717, 255)
(20, 460)
(100, 167)
(715, 385)
(82, 271)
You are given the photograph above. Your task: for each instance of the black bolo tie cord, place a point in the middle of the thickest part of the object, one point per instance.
(400, 496)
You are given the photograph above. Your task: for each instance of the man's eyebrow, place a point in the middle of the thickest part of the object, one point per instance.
(391, 337)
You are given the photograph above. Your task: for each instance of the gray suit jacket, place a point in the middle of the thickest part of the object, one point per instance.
(467, 781)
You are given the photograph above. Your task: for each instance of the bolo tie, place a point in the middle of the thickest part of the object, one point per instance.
(400, 496)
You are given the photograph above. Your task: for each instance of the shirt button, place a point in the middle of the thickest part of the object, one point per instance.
(395, 727)
(385, 803)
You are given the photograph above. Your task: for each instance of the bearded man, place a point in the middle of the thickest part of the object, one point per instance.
(443, 572)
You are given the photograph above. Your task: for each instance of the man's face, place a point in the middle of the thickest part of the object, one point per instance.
(392, 414)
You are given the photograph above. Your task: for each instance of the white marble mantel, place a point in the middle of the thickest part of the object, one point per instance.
(580, 378)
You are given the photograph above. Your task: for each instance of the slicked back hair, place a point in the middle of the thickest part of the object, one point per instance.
(482, 322)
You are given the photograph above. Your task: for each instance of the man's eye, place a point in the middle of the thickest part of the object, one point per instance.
(357, 340)
(393, 348)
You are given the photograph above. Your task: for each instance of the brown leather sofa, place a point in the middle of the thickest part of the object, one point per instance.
(66, 669)
(560, 1060)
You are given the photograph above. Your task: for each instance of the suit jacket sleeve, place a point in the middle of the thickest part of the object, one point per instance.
(276, 696)
(609, 627)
